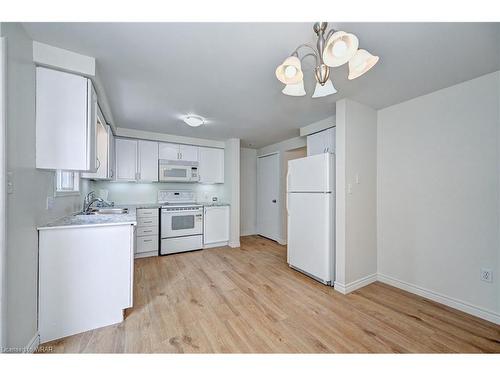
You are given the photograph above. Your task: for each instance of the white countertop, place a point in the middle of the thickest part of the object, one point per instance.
(92, 220)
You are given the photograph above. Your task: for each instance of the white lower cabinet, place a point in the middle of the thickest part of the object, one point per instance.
(147, 241)
(216, 226)
(85, 278)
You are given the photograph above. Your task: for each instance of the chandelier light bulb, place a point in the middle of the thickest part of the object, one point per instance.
(290, 71)
(339, 48)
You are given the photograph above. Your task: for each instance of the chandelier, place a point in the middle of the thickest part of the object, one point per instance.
(336, 49)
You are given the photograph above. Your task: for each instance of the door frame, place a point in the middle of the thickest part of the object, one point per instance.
(3, 208)
(279, 236)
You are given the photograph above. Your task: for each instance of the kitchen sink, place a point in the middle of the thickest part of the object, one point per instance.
(105, 211)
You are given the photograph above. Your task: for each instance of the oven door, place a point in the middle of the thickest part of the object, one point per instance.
(181, 223)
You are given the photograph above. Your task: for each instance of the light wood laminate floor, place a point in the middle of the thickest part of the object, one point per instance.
(247, 300)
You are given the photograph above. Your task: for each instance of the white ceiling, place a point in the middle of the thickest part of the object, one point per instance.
(155, 72)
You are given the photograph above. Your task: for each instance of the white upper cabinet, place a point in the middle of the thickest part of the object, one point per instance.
(211, 167)
(168, 151)
(147, 161)
(321, 142)
(66, 106)
(126, 159)
(188, 153)
(104, 143)
(174, 151)
(136, 160)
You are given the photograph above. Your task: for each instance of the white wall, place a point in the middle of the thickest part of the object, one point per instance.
(26, 206)
(232, 188)
(2, 191)
(248, 191)
(438, 194)
(356, 218)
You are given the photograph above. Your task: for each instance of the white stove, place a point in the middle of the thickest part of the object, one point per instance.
(181, 222)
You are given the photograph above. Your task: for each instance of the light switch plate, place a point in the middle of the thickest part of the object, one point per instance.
(50, 203)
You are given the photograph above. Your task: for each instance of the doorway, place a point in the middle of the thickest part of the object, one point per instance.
(268, 194)
(289, 155)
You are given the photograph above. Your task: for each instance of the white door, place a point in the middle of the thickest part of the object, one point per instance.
(147, 161)
(126, 159)
(211, 168)
(188, 153)
(310, 234)
(168, 151)
(268, 212)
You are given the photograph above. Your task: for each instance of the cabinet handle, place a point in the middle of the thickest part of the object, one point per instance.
(181, 155)
(147, 231)
(148, 240)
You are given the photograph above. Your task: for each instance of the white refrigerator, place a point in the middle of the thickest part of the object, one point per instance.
(311, 216)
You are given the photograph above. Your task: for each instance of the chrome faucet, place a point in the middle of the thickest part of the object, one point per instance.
(90, 199)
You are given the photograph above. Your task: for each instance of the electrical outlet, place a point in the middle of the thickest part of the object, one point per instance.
(486, 275)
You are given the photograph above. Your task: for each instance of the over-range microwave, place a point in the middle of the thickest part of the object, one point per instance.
(178, 171)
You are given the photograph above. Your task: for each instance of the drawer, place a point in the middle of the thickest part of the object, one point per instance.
(147, 231)
(147, 212)
(147, 221)
(146, 244)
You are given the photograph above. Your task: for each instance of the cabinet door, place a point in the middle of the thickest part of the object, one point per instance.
(316, 144)
(216, 224)
(147, 161)
(65, 110)
(126, 159)
(211, 168)
(111, 154)
(102, 151)
(168, 151)
(188, 153)
(330, 140)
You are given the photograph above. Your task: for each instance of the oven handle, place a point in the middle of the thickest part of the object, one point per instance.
(165, 212)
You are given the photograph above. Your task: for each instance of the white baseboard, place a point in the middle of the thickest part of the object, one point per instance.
(440, 298)
(352, 286)
(216, 244)
(147, 254)
(33, 344)
(234, 244)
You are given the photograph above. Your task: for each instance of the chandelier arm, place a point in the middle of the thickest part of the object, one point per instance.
(330, 33)
(309, 54)
(314, 52)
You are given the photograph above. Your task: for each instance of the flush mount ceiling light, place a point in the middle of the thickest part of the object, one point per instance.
(194, 120)
(336, 49)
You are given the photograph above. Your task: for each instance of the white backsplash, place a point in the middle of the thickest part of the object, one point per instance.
(131, 192)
